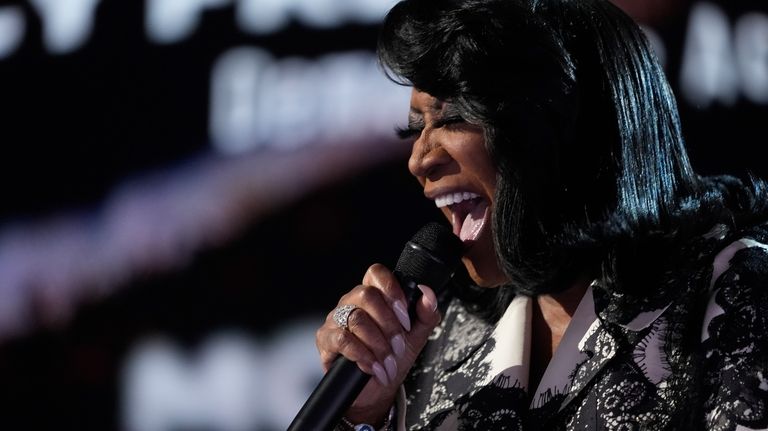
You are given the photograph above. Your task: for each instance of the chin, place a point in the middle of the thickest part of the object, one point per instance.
(482, 264)
(484, 273)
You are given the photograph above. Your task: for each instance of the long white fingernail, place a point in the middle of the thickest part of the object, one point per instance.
(402, 314)
(398, 345)
(391, 366)
(429, 298)
(381, 375)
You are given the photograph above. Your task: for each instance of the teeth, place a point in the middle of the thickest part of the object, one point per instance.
(454, 198)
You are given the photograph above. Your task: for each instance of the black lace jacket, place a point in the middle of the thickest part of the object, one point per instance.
(698, 360)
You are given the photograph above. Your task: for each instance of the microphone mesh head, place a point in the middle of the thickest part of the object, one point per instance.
(431, 256)
(440, 241)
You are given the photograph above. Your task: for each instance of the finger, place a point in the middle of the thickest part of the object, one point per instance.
(427, 316)
(381, 314)
(332, 342)
(367, 330)
(381, 277)
(327, 356)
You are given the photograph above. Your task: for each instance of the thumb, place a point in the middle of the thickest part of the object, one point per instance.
(427, 316)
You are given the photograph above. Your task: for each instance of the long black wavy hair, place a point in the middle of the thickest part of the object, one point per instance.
(581, 124)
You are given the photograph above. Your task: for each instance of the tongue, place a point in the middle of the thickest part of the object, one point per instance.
(474, 222)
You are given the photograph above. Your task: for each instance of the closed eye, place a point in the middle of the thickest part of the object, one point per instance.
(415, 129)
(448, 121)
(407, 132)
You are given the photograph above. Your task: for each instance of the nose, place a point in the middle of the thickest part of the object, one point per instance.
(427, 155)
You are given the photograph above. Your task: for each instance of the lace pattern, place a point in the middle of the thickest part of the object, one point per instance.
(656, 375)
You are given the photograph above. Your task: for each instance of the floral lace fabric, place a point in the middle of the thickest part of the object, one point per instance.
(697, 360)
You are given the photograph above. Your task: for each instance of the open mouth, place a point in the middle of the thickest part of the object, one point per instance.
(469, 213)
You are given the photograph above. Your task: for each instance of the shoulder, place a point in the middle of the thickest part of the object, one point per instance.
(739, 283)
(735, 335)
(748, 253)
(739, 278)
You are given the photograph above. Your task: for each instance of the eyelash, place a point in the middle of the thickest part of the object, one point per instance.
(407, 132)
(410, 131)
(443, 122)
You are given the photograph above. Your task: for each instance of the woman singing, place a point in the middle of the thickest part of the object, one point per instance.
(608, 285)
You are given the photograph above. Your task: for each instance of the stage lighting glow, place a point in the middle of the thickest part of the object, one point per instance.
(721, 61)
(169, 21)
(233, 382)
(258, 101)
(752, 54)
(265, 16)
(67, 24)
(12, 27)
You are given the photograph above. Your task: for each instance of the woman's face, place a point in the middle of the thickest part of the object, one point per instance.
(451, 162)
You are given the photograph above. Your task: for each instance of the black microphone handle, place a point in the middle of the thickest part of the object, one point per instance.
(343, 382)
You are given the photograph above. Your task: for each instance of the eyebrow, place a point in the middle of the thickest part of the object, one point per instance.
(435, 107)
(416, 119)
(449, 110)
(440, 110)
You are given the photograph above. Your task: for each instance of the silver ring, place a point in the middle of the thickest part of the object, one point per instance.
(341, 315)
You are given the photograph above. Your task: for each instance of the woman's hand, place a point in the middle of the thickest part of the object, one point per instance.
(380, 338)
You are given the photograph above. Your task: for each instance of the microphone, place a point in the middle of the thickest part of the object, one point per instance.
(430, 258)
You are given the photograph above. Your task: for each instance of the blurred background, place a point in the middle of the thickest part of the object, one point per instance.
(187, 187)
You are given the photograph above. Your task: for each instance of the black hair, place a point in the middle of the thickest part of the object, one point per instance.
(581, 123)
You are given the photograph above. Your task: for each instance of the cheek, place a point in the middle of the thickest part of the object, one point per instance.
(486, 166)
(485, 174)
(477, 160)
